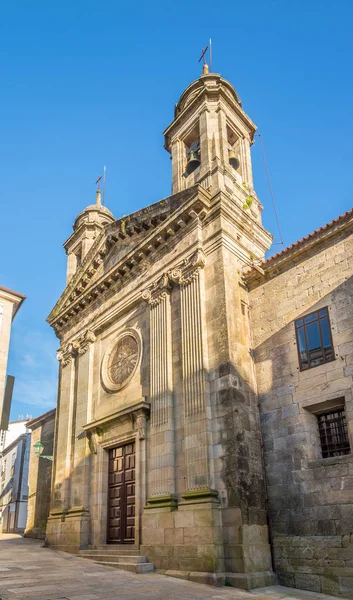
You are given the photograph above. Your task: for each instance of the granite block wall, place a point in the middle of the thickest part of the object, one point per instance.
(310, 497)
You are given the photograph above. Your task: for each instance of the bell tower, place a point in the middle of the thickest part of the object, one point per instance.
(88, 224)
(209, 141)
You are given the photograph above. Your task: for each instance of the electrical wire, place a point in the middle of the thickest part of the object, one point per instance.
(258, 134)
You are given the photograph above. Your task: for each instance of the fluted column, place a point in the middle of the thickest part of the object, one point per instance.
(71, 455)
(63, 450)
(161, 482)
(197, 421)
(81, 460)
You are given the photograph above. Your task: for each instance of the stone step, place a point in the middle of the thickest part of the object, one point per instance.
(103, 557)
(119, 558)
(109, 550)
(127, 548)
(139, 568)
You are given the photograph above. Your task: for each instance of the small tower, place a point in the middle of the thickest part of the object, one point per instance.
(87, 227)
(209, 141)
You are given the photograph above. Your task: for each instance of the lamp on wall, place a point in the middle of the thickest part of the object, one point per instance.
(38, 451)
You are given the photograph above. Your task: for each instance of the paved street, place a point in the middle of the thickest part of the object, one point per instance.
(29, 571)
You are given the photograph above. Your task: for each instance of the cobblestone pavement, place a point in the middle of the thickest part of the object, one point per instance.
(27, 570)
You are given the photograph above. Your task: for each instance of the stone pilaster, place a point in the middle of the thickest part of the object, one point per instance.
(81, 458)
(62, 466)
(197, 421)
(161, 484)
(69, 517)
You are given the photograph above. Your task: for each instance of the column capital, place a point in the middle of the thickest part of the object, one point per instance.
(85, 340)
(65, 354)
(79, 346)
(184, 273)
(158, 290)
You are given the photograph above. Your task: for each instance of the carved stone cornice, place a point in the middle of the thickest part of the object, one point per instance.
(137, 414)
(158, 223)
(67, 352)
(158, 290)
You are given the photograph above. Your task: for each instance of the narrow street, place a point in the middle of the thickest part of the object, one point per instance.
(27, 570)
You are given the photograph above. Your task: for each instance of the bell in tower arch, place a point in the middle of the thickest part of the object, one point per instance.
(193, 157)
(233, 160)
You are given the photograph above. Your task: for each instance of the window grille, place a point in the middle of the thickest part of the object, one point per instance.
(314, 339)
(333, 433)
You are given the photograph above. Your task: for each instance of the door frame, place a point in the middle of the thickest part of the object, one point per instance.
(100, 484)
(108, 505)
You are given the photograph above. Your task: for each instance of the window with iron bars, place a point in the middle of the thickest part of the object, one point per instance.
(314, 339)
(333, 433)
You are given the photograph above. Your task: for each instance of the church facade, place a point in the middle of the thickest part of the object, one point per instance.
(190, 422)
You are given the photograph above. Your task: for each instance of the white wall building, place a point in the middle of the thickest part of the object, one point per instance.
(14, 461)
(10, 302)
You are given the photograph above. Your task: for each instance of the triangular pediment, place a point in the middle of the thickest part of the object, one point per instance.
(124, 245)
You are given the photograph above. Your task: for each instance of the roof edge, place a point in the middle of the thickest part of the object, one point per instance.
(274, 265)
(40, 419)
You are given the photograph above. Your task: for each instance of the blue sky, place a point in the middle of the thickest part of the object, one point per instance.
(86, 84)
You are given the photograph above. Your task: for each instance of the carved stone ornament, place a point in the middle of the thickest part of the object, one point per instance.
(181, 274)
(121, 360)
(85, 341)
(66, 353)
(141, 424)
(158, 290)
(92, 441)
(189, 268)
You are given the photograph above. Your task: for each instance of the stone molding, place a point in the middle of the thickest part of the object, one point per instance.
(138, 415)
(69, 351)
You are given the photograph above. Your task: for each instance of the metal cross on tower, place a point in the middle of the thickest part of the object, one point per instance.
(204, 50)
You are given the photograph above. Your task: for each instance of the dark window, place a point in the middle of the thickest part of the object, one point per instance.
(333, 433)
(314, 339)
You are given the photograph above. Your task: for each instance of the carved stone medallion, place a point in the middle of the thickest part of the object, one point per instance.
(123, 359)
(120, 361)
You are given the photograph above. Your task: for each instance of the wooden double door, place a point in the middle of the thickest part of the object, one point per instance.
(121, 495)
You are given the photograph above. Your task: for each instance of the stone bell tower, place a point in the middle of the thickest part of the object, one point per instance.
(87, 226)
(209, 141)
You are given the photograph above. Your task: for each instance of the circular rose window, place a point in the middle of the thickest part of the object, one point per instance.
(120, 362)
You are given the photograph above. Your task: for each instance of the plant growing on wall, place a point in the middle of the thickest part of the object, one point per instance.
(248, 202)
(249, 199)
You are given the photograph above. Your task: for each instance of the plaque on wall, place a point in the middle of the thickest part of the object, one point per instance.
(121, 360)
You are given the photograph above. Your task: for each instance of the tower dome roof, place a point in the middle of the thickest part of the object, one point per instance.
(94, 213)
(210, 82)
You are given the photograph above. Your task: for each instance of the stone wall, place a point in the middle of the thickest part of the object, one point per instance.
(39, 476)
(310, 498)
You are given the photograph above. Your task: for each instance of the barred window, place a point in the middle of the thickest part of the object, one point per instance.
(333, 433)
(314, 339)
